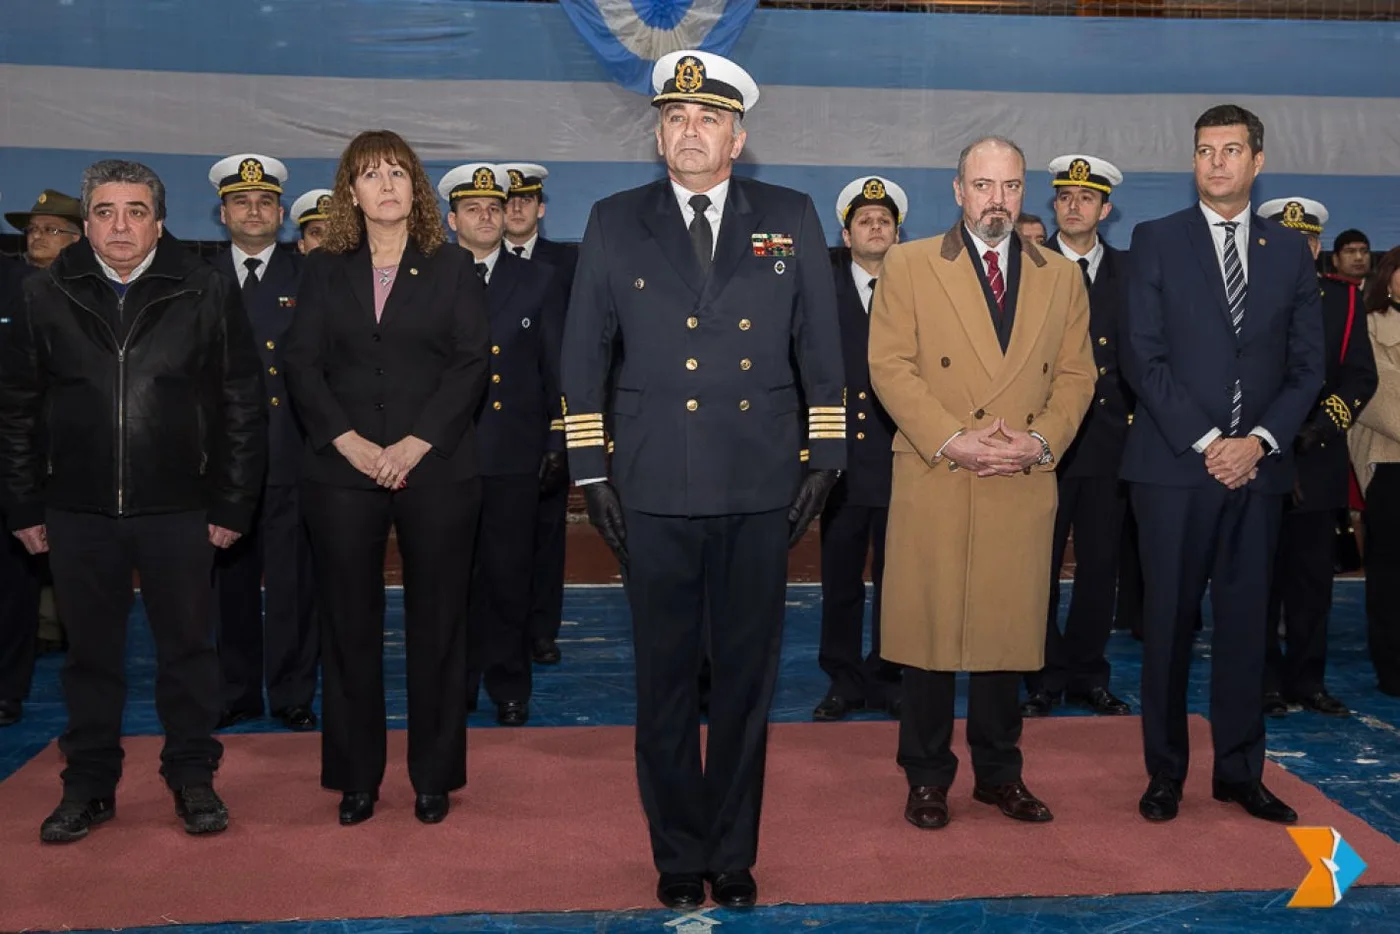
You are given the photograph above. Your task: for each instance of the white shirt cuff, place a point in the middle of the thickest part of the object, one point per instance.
(1264, 433)
(589, 480)
(1206, 439)
(946, 443)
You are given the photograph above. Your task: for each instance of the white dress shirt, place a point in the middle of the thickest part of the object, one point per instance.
(714, 213)
(1094, 256)
(1217, 237)
(242, 271)
(527, 249)
(490, 262)
(141, 267)
(863, 280)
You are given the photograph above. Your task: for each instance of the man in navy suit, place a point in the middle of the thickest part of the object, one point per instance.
(525, 209)
(525, 305)
(1091, 497)
(275, 641)
(871, 210)
(1225, 354)
(718, 291)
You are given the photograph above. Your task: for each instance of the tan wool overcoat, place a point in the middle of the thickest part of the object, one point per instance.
(967, 559)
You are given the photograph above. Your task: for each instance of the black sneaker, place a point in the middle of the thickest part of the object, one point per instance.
(201, 809)
(71, 820)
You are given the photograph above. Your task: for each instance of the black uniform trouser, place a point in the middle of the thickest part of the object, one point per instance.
(547, 579)
(499, 610)
(1383, 575)
(1127, 612)
(847, 535)
(274, 640)
(1302, 595)
(19, 617)
(92, 558)
(435, 527)
(705, 818)
(1074, 659)
(993, 727)
(1190, 535)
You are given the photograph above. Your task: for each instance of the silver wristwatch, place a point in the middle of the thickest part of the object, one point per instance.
(1046, 456)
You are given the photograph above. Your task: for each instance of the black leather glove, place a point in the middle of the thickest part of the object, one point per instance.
(1312, 435)
(811, 497)
(605, 514)
(554, 473)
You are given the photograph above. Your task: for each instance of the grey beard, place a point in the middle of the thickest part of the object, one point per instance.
(993, 229)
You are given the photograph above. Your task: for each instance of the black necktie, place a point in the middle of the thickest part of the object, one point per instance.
(481, 272)
(702, 238)
(872, 294)
(1084, 268)
(518, 251)
(250, 281)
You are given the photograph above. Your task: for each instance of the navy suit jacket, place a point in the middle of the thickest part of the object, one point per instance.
(869, 428)
(1183, 357)
(562, 256)
(1097, 450)
(525, 304)
(273, 307)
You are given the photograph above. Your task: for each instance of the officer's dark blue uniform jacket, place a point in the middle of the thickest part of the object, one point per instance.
(273, 307)
(704, 412)
(1097, 450)
(525, 305)
(869, 428)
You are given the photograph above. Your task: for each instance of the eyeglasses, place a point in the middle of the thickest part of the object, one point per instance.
(50, 231)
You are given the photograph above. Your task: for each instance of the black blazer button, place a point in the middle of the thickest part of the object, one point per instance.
(379, 406)
(379, 371)
(374, 337)
(946, 362)
(979, 413)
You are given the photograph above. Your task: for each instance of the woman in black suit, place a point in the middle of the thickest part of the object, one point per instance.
(386, 363)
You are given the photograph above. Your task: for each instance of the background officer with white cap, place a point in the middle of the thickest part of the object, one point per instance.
(274, 641)
(715, 286)
(871, 210)
(310, 212)
(1092, 499)
(1301, 592)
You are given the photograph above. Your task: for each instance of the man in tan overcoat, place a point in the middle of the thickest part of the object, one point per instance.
(979, 350)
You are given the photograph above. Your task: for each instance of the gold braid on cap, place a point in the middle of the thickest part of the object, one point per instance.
(1338, 411)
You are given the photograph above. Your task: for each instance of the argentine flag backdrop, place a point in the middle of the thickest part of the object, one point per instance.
(180, 84)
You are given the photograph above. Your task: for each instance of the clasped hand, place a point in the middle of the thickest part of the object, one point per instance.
(1234, 461)
(386, 466)
(996, 451)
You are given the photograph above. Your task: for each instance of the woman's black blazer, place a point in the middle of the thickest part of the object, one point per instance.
(420, 370)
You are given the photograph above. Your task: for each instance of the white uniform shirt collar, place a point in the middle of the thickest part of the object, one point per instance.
(239, 257)
(1094, 256)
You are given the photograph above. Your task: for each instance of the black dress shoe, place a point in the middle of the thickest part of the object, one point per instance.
(356, 807)
(735, 889)
(545, 652)
(71, 820)
(835, 707)
(1274, 705)
(927, 807)
(1037, 704)
(200, 807)
(1014, 800)
(894, 705)
(234, 717)
(1159, 802)
(513, 713)
(297, 718)
(11, 712)
(430, 809)
(1324, 703)
(1257, 800)
(681, 890)
(1101, 701)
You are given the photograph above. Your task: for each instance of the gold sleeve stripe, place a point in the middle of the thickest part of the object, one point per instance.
(556, 424)
(610, 447)
(804, 455)
(827, 435)
(584, 444)
(1338, 411)
(578, 419)
(827, 419)
(578, 435)
(827, 410)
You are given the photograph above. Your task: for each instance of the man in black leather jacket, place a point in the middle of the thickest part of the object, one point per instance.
(135, 364)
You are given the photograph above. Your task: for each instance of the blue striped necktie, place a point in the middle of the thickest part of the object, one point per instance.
(1235, 291)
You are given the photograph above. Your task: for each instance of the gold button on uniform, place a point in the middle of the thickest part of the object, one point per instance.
(1103, 342)
(271, 345)
(1103, 402)
(275, 401)
(743, 405)
(692, 322)
(691, 364)
(745, 363)
(860, 416)
(745, 324)
(1103, 370)
(860, 436)
(496, 349)
(496, 406)
(272, 371)
(495, 377)
(691, 405)
(860, 395)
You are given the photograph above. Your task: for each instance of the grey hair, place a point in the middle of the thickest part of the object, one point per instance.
(736, 126)
(998, 140)
(122, 172)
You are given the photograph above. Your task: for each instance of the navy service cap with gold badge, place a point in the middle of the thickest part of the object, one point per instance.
(1085, 172)
(474, 180)
(526, 178)
(248, 172)
(315, 205)
(695, 77)
(871, 189)
(1302, 214)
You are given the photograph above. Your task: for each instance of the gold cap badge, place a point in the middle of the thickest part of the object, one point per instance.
(874, 190)
(690, 75)
(251, 170)
(1079, 170)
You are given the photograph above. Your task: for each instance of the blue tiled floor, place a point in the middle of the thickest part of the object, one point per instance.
(1355, 761)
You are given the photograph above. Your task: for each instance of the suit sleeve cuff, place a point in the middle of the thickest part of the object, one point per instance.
(1262, 432)
(1206, 440)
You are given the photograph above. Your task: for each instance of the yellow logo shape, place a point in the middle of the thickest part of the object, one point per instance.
(1334, 867)
(251, 170)
(483, 179)
(690, 75)
(323, 203)
(1079, 170)
(874, 190)
(1292, 212)
(516, 178)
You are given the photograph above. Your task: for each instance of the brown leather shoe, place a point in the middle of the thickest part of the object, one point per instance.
(1015, 801)
(927, 807)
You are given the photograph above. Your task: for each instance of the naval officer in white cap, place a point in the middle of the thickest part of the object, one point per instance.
(311, 212)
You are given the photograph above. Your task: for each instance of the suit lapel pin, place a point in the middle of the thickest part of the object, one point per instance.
(639, 284)
(780, 267)
(524, 322)
(413, 270)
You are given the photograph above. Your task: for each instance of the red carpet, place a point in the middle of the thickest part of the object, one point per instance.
(551, 822)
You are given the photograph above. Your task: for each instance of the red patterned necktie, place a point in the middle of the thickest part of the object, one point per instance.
(995, 280)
